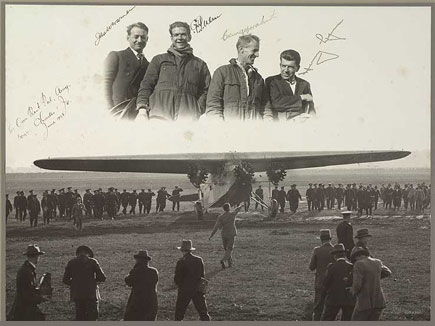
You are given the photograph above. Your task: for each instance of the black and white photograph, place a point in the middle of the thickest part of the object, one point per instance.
(217, 162)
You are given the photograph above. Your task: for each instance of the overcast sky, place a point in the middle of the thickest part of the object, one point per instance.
(373, 94)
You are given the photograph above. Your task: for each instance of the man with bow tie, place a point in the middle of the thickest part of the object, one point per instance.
(236, 89)
(288, 96)
(125, 69)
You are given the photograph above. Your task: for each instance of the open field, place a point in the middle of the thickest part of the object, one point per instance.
(270, 279)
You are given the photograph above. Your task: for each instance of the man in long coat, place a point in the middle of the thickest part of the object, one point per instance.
(188, 274)
(28, 296)
(345, 233)
(82, 274)
(320, 259)
(143, 279)
(367, 273)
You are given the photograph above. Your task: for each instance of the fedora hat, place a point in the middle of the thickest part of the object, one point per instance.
(361, 233)
(325, 234)
(33, 250)
(338, 248)
(86, 249)
(186, 245)
(358, 251)
(142, 254)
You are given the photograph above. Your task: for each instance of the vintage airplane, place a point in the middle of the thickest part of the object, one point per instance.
(220, 177)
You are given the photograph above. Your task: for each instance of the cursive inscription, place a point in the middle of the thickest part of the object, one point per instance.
(248, 29)
(321, 56)
(199, 24)
(100, 35)
(43, 113)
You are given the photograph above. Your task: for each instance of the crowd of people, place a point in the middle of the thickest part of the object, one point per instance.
(361, 198)
(72, 205)
(347, 278)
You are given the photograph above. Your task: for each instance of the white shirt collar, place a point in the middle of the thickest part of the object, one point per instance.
(341, 258)
(135, 52)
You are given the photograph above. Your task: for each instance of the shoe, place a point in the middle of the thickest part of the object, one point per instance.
(223, 264)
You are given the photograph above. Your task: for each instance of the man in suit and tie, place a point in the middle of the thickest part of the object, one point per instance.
(335, 284)
(288, 95)
(124, 70)
(366, 286)
(345, 233)
(188, 274)
(320, 259)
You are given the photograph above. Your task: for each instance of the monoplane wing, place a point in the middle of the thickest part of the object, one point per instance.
(180, 163)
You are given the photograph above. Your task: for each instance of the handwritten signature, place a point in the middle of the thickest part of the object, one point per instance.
(248, 29)
(100, 35)
(199, 24)
(322, 56)
(46, 111)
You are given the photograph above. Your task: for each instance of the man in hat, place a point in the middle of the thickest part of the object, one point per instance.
(293, 197)
(176, 198)
(28, 296)
(309, 196)
(132, 200)
(18, 213)
(188, 274)
(366, 285)
(23, 205)
(62, 202)
(87, 201)
(275, 193)
(112, 203)
(162, 195)
(320, 259)
(46, 207)
(82, 274)
(141, 198)
(348, 197)
(69, 202)
(147, 200)
(143, 279)
(362, 236)
(335, 285)
(34, 210)
(124, 201)
(227, 222)
(339, 194)
(345, 233)
(77, 213)
(330, 196)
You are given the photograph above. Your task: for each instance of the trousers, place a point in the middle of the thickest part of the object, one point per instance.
(183, 299)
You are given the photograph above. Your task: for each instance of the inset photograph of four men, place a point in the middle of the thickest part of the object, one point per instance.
(216, 162)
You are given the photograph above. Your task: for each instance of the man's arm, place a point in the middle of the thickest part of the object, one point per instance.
(313, 261)
(99, 274)
(178, 273)
(385, 271)
(215, 105)
(110, 71)
(148, 84)
(204, 86)
(215, 228)
(357, 275)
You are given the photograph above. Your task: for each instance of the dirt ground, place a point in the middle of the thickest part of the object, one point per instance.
(270, 279)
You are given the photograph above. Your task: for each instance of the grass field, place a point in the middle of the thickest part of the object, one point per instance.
(270, 279)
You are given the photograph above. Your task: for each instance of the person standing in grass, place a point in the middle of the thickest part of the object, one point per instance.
(143, 279)
(77, 213)
(227, 222)
(82, 274)
(320, 259)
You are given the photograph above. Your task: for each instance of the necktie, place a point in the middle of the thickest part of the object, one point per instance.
(140, 57)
